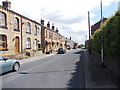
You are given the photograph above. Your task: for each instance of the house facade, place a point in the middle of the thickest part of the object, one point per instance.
(17, 32)
(20, 34)
(69, 43)
(53, 39)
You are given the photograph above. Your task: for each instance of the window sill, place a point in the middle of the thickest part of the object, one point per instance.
(3, 49)
(28, 48)
(17, 30)
(4, 27)
(28, 32)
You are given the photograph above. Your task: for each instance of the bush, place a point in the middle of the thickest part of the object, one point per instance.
(111, 34)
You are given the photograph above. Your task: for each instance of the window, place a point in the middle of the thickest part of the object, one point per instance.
(35, 44)
(16, 26)
(28, 29)
(35, 31)
(2, 19)
(3, 42)
(28, 43)
(39, 30)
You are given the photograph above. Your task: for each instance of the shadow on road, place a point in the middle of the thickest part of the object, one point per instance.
(25, 72)
(77, 80)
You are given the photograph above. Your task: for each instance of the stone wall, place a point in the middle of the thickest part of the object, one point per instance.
(24, 55)
(112, 65)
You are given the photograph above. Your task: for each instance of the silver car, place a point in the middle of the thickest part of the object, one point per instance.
(8, 65)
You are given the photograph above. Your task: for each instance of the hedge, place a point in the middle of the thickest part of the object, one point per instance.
(110, 31)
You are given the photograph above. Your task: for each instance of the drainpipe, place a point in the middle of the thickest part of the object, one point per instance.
(21, 36)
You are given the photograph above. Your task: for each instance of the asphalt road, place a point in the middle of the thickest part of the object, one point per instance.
(56, 71)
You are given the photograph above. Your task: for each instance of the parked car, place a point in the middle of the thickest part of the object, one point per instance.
(83, 47)
(8, 65)
(74, 47)
(68, 47)
(61, 51)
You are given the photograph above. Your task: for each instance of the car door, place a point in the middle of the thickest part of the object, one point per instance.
(5, 65)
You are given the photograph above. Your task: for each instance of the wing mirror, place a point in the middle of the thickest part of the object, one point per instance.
(5, 59)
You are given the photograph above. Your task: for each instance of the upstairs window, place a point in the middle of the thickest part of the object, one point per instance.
(3, 42)
(2, 19)
(28, 28)
(16, 26)
(39, 30)
(35, 30)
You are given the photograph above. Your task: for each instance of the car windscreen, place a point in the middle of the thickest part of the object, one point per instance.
(60, 49)
(1, 57)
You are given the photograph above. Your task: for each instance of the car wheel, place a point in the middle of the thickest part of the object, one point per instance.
(16, 67)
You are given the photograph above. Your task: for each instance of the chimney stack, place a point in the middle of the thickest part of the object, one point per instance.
(48, 25)
(6, 4)
(42, 22)
(53, 27)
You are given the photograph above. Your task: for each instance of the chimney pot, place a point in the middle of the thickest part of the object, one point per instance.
(42, 22)
(48, 25)
(57, 30)
(53, 26)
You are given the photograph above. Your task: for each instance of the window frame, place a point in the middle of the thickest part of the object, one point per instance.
(28, 28)
(16, 24)
(3, 20)
(28, 43)
(35, 29)
(39, 30)
(3, 42)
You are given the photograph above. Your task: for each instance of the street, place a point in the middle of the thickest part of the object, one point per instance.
(74, 69)
(57, 71)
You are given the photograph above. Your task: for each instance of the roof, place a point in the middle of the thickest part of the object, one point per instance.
(97, 25)
(19, 15)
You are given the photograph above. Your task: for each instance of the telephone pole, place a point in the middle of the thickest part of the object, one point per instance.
(89, 23)
(102, 53)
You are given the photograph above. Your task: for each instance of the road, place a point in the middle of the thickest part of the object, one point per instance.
(56, 71)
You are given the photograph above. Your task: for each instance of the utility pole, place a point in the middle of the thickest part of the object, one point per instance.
(119, 5)
(89, 24)
(102, 58)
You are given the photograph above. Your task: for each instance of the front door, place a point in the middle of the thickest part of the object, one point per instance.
(17, 45)
(35, 44)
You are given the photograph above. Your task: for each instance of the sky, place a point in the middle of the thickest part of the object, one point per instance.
(69, 16)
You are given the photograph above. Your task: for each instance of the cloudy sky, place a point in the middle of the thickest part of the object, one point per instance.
(70, 16)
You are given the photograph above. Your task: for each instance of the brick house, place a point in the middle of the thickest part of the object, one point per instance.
(96, 26)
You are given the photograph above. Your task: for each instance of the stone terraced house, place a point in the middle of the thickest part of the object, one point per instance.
(19, 34)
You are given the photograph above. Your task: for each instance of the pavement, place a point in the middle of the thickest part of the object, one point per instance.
(30, 59)
(97, 76)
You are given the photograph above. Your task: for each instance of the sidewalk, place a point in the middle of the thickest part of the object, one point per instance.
(30, 59)
(96, 76)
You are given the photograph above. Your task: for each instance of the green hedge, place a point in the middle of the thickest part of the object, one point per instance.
(111, 37)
